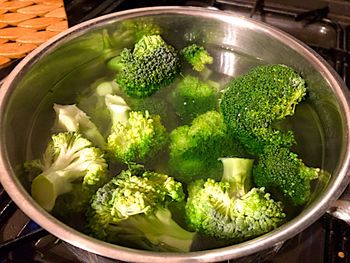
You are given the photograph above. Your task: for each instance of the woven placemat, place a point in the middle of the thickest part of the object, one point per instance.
(25, 24)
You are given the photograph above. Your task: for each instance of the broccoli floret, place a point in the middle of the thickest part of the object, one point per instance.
(194, 149)
(69, 164)
(31, 169)
(283, 173)
(71, 118)
(230, 209)
(132, 209)
(251, 104)
(197, 56)
(192, 97)
(151, 65)
(135, 135)
(142, 27)
(154, 105)
(137, 139)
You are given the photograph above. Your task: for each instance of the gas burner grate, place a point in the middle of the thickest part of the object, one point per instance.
(28, 233)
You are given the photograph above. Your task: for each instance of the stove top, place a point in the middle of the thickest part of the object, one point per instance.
(324, 26)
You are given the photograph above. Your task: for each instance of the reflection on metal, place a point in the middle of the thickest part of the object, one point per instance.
(341, 210)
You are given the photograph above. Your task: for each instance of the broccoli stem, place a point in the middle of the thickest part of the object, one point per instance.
(237, 172)
(118, 109)
(161, 232)
(46, 187)
(115, 64)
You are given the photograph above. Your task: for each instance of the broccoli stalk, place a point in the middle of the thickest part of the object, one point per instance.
(282, 172)
(252, 103)
(151, 64)
(237, 172)
(163, 233)
(197, 56)
(118, 109)
(92, 102)
(71, 118)
(132, 209)
(231, 209)
(69, 162)
(135, 135)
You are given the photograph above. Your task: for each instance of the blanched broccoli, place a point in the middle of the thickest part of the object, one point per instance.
(253, 102)
(72, 170)
(194, 149)
(192, 97)
(142, 27)
(154, 105)
(231, 209)
(118, 110)
(197, 56)
(132, 209)
(71, 118)
(93, 102)
(135, 135)
(282, 172)
(151, 65)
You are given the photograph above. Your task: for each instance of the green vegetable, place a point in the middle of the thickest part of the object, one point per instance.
(281, 171)
(142, 27)
(118, 110)
(193, 97)
(71, 118)
(252, 103)
(197, 56)
(231, 209)
(135, 135)
(194, 149)
(93, 102)
(132, 209)
(151, 65)
(71, 167)
(154, 105)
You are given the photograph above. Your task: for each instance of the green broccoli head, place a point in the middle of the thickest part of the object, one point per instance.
(151, 65)
(154, 105)
(140, 137)
(253, 102)
(195, 149)
(282, 172)
(70, 164)
(193, 97)
(197, 56)
(132, 209)
(142, 27)
(229, 209)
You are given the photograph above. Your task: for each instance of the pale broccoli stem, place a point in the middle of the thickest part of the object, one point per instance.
(47, 186)
(237, 172)
(72, 119)
(118, 108)
(160, 230)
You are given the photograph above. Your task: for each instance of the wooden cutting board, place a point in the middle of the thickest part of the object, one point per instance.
(25, 24)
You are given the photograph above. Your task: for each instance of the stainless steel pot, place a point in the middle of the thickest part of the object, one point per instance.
(57, 70)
